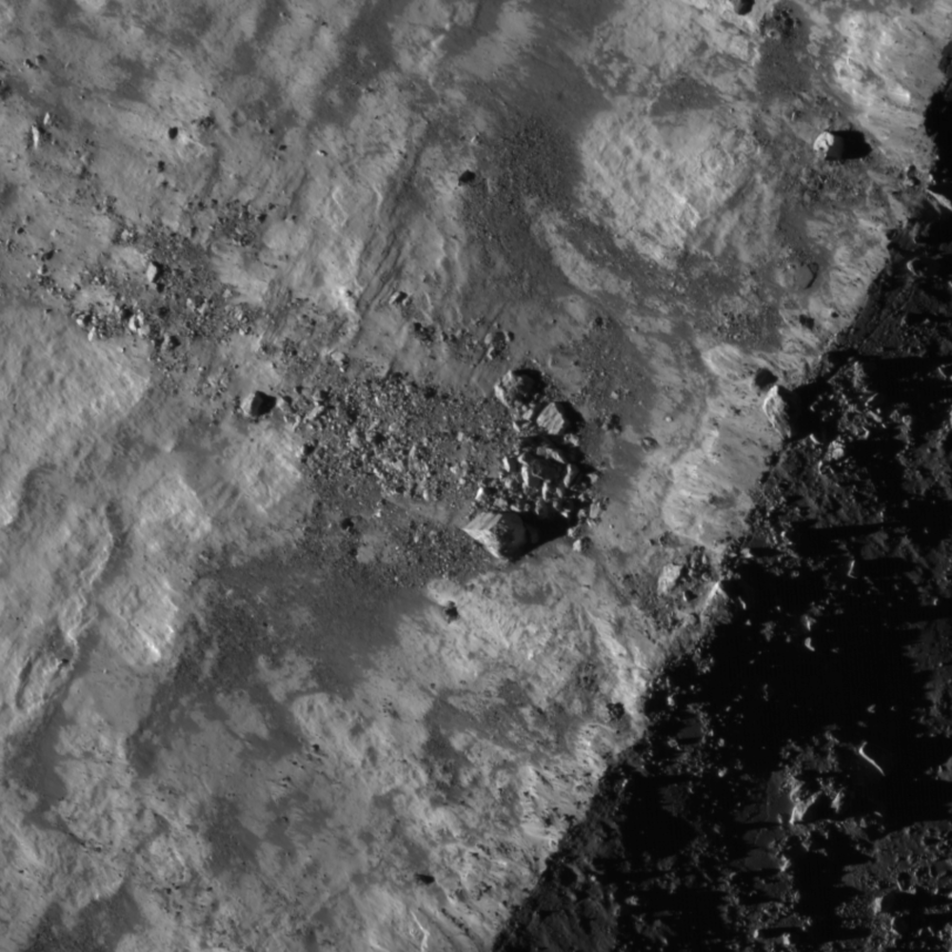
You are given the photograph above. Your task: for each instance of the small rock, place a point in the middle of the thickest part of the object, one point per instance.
(259, 404)
(669, 577)
(153, 272)
(502, 534)
(582, 545)
(552, 453)
(613, 424)
(518, 389)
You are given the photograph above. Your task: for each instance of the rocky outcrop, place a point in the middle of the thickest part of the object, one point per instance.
(546, 480)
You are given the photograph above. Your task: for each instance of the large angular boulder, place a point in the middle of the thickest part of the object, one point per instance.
(555, 419)
(783, 410)
(503, 534)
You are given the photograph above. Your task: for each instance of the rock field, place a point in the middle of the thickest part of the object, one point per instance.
(474, 475)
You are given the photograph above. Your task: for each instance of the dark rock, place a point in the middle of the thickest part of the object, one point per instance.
(841, 146)
(764, 379)
(467, 177)
(613, 424)
(780, 24)
(518, 388)
(260, 404)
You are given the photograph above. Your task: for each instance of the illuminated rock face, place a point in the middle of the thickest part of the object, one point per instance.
(502, 534)
(234, 710)
(783, 411)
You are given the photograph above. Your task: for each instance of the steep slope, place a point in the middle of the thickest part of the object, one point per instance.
(794, 787)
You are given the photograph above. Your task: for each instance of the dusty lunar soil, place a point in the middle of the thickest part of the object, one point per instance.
(383, 395)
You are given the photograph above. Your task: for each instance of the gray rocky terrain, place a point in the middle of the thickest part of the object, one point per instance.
(411, 410)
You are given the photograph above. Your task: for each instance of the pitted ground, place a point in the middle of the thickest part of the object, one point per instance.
(240, 706)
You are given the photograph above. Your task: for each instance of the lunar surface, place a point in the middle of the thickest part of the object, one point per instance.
(388, 394)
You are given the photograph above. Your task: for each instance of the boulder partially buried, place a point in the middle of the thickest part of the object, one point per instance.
(503, 534)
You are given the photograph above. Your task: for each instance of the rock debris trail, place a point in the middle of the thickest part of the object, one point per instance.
(794, 787)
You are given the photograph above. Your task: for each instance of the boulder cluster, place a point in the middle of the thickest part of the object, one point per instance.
(545, 486)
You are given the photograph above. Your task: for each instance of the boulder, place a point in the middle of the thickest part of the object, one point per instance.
(503, 534)
(842, 145)
(669, 578)
(763, 379)
(555, 419)
(783, 411)
(518, 389)
(830, 146)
